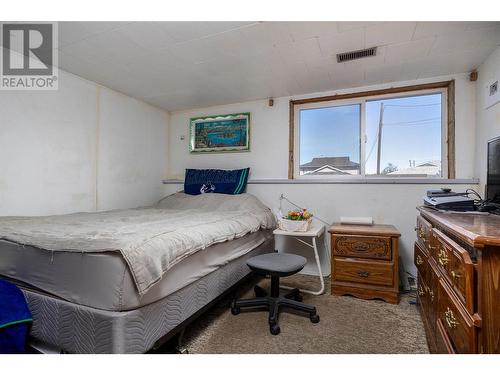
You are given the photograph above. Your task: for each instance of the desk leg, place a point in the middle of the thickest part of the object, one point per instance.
(316, 256)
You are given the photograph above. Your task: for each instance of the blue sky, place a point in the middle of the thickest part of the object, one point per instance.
(412, 130)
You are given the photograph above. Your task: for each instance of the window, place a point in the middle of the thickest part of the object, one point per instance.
(400, 132)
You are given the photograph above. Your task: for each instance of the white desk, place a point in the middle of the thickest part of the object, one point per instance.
(313, 234)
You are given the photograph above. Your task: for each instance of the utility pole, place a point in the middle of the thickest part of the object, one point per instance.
(379, 146)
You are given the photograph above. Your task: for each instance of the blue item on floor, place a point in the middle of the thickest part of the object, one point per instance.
(15, 319)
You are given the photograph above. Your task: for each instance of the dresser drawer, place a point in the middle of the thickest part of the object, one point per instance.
(357, 271)
(443, 343)
(456, 264)
(371, 247)
(457, 323)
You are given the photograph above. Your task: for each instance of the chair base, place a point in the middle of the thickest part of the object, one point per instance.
(292, 299)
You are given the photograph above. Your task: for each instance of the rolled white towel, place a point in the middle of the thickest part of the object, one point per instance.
(356, 220)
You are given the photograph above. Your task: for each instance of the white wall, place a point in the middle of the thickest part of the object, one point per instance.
(80, 148)
(269, 133)
(391, 204)
(487, 119)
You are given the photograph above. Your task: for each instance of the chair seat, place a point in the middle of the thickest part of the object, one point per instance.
(279, 264)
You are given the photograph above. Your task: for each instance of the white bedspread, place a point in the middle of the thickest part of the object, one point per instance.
(151, 239)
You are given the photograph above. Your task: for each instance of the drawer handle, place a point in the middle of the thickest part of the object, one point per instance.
(360, 247)
(419, 260)
(450, 318)
(455, 275)
(431, 293)
(442, 257)
(421, 290)
(363, 273)
(421, 234)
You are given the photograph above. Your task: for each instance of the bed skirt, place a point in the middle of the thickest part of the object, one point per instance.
(75, 328)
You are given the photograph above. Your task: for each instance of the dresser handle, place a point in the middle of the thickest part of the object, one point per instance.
(442, 257)
(455, 275)
(431, 293)
(450, 318)
(363, 273)
(419, 260)
(421, 234)
(421, 290)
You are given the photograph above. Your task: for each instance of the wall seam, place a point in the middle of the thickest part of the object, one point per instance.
(97, 145)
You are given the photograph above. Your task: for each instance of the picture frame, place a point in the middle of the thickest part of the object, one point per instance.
(220, 133)
(492, 94)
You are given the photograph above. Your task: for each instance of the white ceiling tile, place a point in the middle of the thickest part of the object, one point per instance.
(181, 31)
(107, 45)
(468, 40)
(342, 42)
(149, 35)
(181, 65)
(346, 26)
(315, 80)
(481, 24)
(409, 50)
(308, 30)
(389, 33)
(347, 78)
(70, 32)
(302, 50)
(267, 34)
(383, 73)
(429, 29)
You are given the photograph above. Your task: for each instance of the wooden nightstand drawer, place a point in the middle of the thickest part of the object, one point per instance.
(371, 247)
(357, 271)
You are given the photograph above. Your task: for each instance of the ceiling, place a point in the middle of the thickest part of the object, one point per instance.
(181, 65)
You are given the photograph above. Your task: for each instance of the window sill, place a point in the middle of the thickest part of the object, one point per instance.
(361, 180)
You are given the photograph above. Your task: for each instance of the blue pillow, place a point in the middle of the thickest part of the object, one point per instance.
(200, 181)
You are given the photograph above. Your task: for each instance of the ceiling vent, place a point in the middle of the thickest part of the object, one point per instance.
(354, 55)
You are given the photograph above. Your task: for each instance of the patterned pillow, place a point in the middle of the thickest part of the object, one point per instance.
(200, 181)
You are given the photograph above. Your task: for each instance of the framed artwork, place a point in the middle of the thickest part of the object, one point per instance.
(224, 133)
(492, 94)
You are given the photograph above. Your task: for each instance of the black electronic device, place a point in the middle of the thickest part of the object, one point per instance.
(455, 202)
(443, 192)
(493, 172)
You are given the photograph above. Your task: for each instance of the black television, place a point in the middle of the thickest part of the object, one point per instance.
(493, 174)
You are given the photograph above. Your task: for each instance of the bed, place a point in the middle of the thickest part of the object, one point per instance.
(121, 281)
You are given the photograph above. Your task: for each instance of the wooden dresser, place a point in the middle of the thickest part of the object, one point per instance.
(365, 261)
(458, 262)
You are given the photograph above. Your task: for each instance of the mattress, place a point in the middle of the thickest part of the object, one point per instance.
(75, 328)
(103, 280)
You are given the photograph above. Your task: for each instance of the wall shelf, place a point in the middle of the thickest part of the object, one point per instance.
(354, 181)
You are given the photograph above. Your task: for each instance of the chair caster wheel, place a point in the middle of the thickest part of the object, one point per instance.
(314, 318)
(235, 310)
(275, 329)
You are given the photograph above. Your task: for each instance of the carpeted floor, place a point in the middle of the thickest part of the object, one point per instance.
(348, 325)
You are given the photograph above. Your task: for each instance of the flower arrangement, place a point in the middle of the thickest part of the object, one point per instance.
(296, 221)
(298, 215)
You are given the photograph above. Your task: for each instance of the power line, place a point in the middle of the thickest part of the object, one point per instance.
(414, 122)
(371, 149)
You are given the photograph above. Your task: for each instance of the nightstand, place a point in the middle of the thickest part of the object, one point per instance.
(312, 234)
(365, 261)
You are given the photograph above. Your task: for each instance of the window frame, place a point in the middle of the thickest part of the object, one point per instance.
(446, 88)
